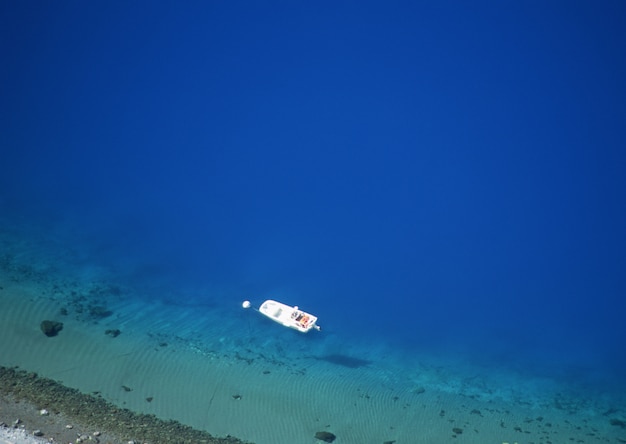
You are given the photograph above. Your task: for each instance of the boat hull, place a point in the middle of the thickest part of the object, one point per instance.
(288, 316)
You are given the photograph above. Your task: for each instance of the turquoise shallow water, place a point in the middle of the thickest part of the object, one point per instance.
(180, 333)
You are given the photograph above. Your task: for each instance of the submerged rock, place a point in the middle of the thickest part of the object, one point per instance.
(325, 436)
(51, 328)
(113, 332)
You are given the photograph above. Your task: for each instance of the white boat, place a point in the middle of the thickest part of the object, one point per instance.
(287, 315)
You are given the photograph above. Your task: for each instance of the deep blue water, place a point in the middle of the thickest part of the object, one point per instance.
(446, 177)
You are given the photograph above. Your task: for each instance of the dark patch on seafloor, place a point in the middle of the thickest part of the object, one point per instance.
(96, 412)
(343, 360)
(325, 436)
(51, 328)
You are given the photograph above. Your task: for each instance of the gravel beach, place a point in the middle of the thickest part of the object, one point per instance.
(31, 405)
(17, 436)
(20, 420)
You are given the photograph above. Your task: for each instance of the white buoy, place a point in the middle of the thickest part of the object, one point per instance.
(246, 304)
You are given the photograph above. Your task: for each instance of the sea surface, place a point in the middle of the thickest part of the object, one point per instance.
(442, 185)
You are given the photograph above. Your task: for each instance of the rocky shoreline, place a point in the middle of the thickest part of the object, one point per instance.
(67, 415)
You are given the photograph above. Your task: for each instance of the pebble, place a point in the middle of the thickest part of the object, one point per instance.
(38, 433)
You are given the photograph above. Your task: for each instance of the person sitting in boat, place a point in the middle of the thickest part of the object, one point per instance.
(296, 314)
